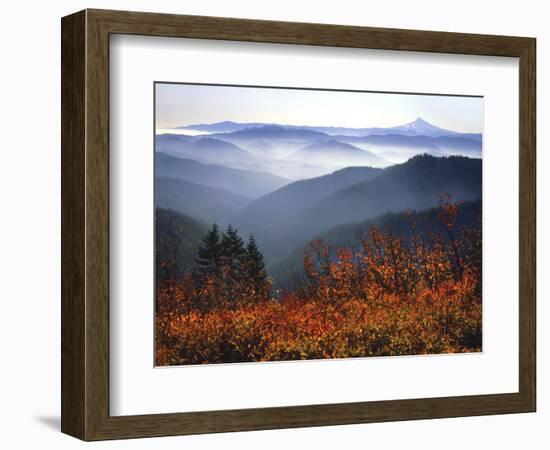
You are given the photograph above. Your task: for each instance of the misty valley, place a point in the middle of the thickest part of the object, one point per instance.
(277, 242)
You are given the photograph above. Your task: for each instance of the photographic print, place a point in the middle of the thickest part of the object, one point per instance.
(298, 224)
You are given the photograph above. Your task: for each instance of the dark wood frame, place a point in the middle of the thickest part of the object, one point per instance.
(85, 224)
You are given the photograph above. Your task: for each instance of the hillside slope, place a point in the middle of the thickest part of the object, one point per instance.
(279, 206)
(202, 202)
(177, 239)
(242, 182)
(416, 184)
(350, 235)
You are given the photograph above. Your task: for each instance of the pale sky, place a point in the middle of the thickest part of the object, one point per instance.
(186, 104)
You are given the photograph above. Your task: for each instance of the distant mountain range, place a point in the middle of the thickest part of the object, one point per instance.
(242, 182)
(418, 127)
(202, 149)
(260, 156)
(276, 132)
(331, 152)
(295, 153)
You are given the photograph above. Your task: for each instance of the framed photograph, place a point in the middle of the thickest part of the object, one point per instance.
(272, 225)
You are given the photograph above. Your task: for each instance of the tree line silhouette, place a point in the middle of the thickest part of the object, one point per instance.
(224, 257)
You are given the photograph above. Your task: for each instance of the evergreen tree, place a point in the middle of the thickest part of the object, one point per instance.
(255, 269)
(233, 251)
(210, 252)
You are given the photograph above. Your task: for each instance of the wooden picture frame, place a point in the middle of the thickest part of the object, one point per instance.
(85, 224)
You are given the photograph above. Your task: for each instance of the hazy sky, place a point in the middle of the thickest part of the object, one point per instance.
(181, 104)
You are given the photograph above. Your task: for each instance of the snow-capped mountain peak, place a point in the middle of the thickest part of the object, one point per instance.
(419, 124)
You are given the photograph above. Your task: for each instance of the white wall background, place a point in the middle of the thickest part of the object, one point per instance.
(30, 224)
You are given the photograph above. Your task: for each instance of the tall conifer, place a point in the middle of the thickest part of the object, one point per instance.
(233, 250)
(256, 265)
(210, 253)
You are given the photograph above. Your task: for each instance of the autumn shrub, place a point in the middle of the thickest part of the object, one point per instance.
(389, 297)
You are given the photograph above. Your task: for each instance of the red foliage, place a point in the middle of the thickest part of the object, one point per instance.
(389, 298)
